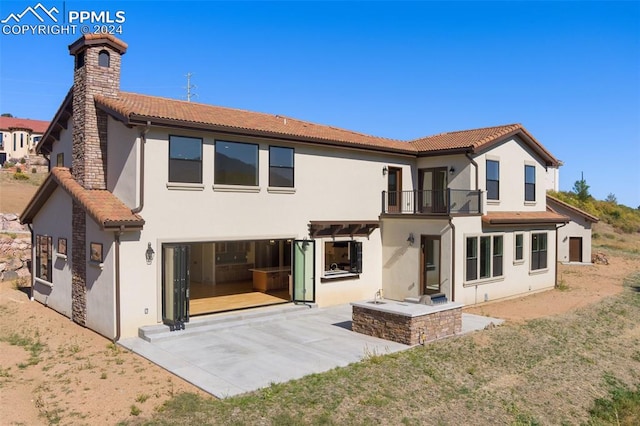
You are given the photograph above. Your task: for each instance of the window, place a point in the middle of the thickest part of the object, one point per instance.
(15, 147)
(484, 256)
(538, 251)
(529, 183)
(342, 257)
(185, 159)
(60, 160)
(103, 58)
(519, 247)
(493, 180)
(472, 259)
(21, 140)
(236, 163)
(62, 246)
(497, 256)
(43, 257)
(80, 60)
(281, 167)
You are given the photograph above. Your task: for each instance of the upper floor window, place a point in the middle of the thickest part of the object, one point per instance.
(21, 140)
(15, 139)
(538, 251)
(103, 58)
(281, 167)
(529, 183)
(185, 159)
(484, 257)
(43, 257)
(60, 160)
(236, 163)
(493, 180)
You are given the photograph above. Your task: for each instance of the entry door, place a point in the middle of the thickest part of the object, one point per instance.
(430, 264)
(175, 285)
(394, 189)
(575, 249)
(303, 271)
(432, 186)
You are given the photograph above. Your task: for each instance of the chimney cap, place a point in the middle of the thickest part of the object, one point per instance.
(98, 40)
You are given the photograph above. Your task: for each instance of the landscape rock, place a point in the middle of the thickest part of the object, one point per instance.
(9, 275)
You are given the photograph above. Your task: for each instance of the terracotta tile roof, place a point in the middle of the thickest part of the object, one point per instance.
(476, 139)
(523, 218)
(36, 126)
(140, 108)
(555, 201)
(104, 207)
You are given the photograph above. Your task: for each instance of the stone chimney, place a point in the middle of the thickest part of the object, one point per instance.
(96, 72)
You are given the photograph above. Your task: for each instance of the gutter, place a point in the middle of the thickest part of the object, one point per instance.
(143, 142)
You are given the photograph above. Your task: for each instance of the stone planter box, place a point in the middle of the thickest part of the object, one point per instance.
(406, 322)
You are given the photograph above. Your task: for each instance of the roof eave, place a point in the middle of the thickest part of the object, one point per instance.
(62, 115)
(528, 139)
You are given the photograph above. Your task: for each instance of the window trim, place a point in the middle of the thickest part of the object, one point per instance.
(178, 183)
(272, 187)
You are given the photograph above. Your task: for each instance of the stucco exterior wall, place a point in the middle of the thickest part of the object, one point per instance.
(517, 277)
(100, 282)
(401, 259)
(63, 145)
(513, 155)
(577, 227)
(122, 167)
(50, 222)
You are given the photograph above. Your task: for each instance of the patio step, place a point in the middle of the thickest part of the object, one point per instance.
(203, 324)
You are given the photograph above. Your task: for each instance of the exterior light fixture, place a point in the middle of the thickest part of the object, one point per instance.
(149, 254)
(411, 239)
(384, 171)
(452, 170)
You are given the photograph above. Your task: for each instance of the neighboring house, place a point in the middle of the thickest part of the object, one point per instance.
(19, 137)
(574, 239)
(156, 210)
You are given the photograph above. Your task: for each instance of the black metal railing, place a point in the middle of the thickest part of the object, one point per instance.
(430, 202)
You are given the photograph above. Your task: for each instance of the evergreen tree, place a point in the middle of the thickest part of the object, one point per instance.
(581, 189)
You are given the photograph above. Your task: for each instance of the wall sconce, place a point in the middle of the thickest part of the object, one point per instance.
(452, 170)
(384, 171)
(149, 254)
(411, 240)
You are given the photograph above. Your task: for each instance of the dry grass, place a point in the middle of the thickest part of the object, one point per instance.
(15, 194)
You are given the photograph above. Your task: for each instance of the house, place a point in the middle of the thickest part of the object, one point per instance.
(157, 210)
(19, 137)
(574, 239)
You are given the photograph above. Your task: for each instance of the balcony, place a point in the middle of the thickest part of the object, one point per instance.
(429, 202)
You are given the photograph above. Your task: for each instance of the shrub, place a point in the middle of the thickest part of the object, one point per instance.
(34, 170)
(22, 160)
(18, 169)
(20, 176)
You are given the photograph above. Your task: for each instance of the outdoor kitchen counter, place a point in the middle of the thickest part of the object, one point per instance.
(274, 278)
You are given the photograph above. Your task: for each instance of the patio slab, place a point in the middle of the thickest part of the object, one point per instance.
(252, 353)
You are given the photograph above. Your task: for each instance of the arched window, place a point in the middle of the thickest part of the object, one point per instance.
(103, 58)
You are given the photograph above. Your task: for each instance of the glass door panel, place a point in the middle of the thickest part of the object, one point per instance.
(304, 271)
(175, 285)
(430, 263)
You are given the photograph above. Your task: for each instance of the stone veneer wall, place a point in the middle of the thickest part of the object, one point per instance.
(406, 329)
(79, 266)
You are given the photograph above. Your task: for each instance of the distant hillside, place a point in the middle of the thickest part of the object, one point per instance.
(621, 217)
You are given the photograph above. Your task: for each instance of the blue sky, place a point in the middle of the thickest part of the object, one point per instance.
(568, 71)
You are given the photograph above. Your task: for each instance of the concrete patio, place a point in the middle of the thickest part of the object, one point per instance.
(238, 352)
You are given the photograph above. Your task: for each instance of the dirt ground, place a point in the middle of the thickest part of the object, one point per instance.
(79, 377)
(14, 195)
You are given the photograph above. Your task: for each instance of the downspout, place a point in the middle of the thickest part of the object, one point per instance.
(116, 239)
(33, 247)
(453, 259)
(557, 227)
(143, 142)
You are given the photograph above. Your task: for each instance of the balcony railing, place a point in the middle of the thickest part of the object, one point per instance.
(428, 202)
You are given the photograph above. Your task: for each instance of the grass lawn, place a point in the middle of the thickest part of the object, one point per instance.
(578, 368)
